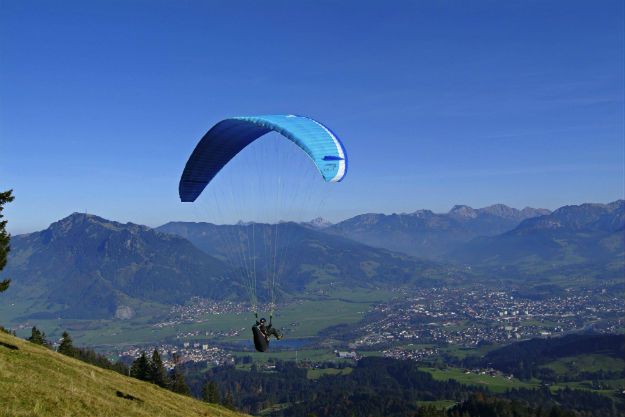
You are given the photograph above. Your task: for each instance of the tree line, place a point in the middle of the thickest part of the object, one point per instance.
(386, 387)
(67, 348)
(524, 359)
(152, 370)
(5, 238)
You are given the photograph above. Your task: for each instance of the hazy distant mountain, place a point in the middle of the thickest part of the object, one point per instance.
(431, 235)
(318, 223)
(583, 234)
(306, 255)
(85, 266)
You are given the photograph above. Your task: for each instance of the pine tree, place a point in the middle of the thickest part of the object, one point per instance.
(66, 347)
(228, 400)
(140, 368)
(5, 237)
(178, 383)
(37, 336)
(210, 393)
(158, 375)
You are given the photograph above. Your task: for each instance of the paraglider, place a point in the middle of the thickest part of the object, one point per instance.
(262, 331)
(223, 142)
(228, 137)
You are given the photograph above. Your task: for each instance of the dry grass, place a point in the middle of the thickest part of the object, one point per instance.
(35, 381)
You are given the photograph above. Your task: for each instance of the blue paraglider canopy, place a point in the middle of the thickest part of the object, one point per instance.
(228, 137)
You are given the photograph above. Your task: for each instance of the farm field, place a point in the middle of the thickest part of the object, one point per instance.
(494, 383)
(302, 319)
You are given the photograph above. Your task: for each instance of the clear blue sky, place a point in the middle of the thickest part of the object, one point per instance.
(438, 102)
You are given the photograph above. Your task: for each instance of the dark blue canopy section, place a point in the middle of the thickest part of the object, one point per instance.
(228, 137)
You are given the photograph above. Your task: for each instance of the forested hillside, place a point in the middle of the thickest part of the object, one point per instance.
(84, 266)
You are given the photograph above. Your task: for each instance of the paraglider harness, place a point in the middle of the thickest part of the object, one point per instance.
(262, 332)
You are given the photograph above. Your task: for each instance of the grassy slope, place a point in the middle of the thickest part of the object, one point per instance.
(35, 381)
(494, 383)
(318, 373)
(573, 365)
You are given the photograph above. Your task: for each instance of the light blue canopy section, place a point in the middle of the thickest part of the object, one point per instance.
(228, 137)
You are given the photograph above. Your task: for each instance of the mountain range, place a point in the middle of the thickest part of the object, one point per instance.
(571, 235)
(426, 234)
(304, 255)
(84, 266)
(576, 240)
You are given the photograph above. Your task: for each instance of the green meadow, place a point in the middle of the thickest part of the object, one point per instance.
(493, 383)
